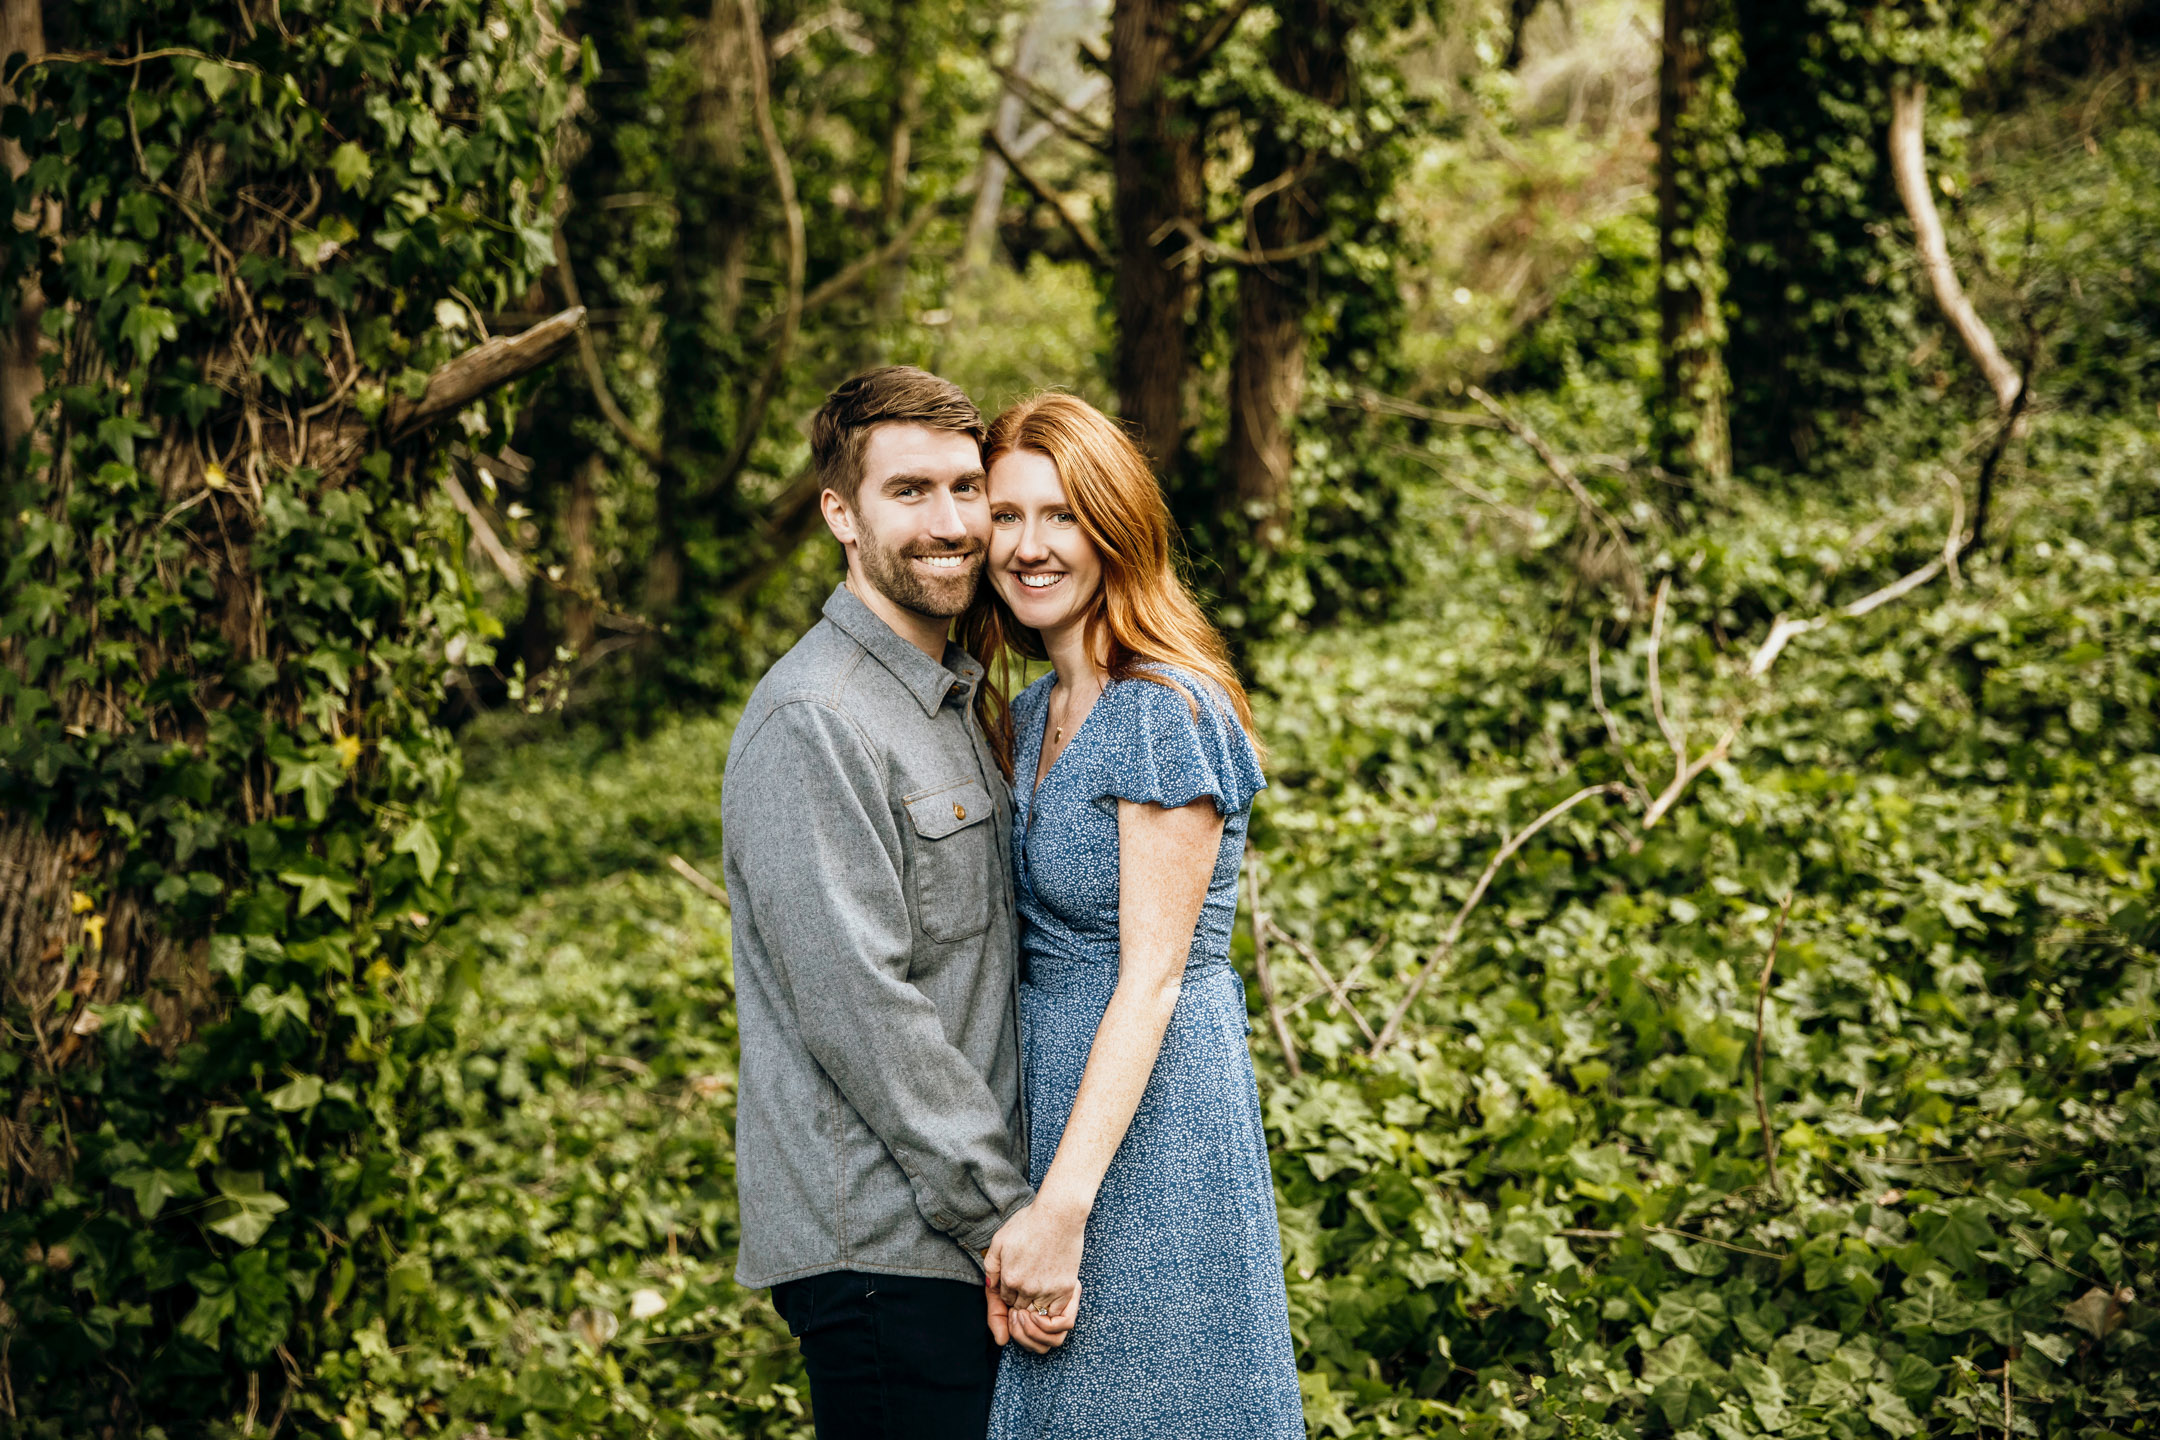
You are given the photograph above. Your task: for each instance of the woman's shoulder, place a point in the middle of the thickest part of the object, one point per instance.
(1176, 736)
(1157, 686)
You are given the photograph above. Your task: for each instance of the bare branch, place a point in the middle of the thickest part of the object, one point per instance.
(848, 276)
(1041, 191)
(1203, 247)
(1762, 995)
(1374, 402)
(1612, 726)
(589, 359)
(699, 879)
(1264, 972)
(1686, 772)
(497, 362)
(512, 570)
(1193, 59)
(753, 418)
(1053, 111)
(1337, 989)
(1908, 166)
(1446, 948)
(1674, 736)
(1631, 571)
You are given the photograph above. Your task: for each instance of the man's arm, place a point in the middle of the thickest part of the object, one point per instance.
(813, 836)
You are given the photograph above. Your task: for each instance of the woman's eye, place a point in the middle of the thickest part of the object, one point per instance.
(1064, 517)
(1002, 517)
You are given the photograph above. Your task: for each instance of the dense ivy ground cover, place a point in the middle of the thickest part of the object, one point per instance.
(1546, 1212)
(1550, 1212)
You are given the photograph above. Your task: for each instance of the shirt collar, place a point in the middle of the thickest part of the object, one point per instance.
(928, 681)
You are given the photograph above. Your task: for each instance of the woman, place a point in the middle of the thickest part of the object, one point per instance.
(1133, 769)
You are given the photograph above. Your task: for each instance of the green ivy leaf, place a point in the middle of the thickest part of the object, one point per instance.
(302, 1093)
(350, 166)
(245, 1210)
(321, 889)
(277, 1010)
(202, 1323)
(154, 1187)
(216, 79)
(316, 774)
(146, 327)
(1961, 1232)
(419, 842)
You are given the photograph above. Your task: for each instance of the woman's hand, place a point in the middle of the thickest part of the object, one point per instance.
(1041, 1334)
(1035, 1259)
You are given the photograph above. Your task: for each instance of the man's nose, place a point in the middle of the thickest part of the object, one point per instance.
(945, 520)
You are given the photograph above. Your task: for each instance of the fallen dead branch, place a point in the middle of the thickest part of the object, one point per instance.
(1446, 948)
(1264, 972)
(1762, 997)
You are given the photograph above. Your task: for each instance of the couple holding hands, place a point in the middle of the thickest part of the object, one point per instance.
(998, 1142)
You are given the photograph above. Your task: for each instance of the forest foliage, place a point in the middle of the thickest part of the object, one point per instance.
(370, 1057)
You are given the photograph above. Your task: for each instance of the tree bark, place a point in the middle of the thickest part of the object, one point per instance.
(1692, 421)
(43, 864)
(1286, 190)
(22, 28)
(1908, 166)
(1156, 169)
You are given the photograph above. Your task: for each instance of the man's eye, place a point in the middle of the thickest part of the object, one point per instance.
(907, 492)
(965, 487)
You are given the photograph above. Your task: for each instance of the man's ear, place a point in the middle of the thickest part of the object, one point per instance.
(839, 517)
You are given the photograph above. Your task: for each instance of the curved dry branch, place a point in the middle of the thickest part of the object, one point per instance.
(1630, 568)
(1089, 244)
(1446, 948)
(589, 359)
(1908, 166)
(1262, 926)
(798, 261)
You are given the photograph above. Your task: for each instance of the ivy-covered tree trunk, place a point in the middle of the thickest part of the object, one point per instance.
(1285, 208)
(1156, 168)
(1695, 163)
(232, 595)
(22, 31)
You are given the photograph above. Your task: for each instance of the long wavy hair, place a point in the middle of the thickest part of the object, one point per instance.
(1142, 607)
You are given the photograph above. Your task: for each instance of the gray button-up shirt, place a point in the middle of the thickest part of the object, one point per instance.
(866, 829)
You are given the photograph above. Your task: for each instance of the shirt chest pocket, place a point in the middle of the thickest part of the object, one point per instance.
(954, 858)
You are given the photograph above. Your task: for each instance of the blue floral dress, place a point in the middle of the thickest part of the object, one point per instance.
(1184, 1328)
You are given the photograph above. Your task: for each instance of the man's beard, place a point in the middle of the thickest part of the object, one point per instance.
(938, 596)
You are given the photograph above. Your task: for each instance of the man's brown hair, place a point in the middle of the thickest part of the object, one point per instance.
(891, 395)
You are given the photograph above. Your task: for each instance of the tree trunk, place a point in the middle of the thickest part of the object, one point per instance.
(1156, 167)
(22, 28)
(578, 526)
(1286, 187)
(52, 941)
(1692, 437)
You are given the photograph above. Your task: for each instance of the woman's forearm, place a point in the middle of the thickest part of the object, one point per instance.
(1166, 859)
(1119, 1066)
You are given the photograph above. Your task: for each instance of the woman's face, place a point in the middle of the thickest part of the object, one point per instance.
(1042, 562)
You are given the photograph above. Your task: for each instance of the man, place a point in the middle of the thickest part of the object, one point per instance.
(867, 836)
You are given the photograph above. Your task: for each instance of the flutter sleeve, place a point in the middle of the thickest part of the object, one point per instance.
(1163, 753)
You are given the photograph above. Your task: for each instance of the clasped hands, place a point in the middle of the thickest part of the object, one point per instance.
(1031, 1275)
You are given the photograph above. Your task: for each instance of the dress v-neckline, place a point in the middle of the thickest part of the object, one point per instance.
(1042, 775)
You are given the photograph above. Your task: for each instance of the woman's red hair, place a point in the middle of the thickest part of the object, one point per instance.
(1142, 607)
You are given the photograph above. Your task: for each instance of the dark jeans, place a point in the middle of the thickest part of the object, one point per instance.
(892, 1357)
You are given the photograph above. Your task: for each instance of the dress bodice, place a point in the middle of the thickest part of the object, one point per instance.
(1144, 741)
